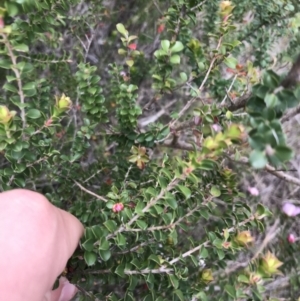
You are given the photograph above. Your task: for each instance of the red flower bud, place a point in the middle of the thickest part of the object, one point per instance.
(132, 46)
(160, 28)
(117, 207)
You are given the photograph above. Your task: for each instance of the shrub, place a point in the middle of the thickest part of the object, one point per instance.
(138, 119)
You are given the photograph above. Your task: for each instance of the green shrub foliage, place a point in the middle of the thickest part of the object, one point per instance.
(129, 114)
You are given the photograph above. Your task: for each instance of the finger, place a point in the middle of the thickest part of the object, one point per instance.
(65, 291)
(36, 239)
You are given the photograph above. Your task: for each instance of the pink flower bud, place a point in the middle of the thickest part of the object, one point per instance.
(253, 191)
(216, 127)
(291, 238)
(290, 209)
(197, 120)
(117, 207)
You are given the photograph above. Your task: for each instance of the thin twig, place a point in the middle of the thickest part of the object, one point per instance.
(177, 28)
(151, 119)
(282, 175)
(90, 192)
(198, 5)
(230, 87)
(157, 7)
(161, 270)
(146, 243)
(150, 204)
(205, 244)
(278, 173)
(45, 61)
(189, 103)
(170, 225)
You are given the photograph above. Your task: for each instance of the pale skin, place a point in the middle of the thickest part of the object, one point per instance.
(36, 241)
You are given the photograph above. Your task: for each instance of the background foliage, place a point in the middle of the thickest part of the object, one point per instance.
(150, 121)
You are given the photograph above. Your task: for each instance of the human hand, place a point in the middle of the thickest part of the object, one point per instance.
(36, 241)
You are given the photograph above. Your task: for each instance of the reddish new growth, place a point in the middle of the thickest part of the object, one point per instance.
(48, 122)
(188, 170)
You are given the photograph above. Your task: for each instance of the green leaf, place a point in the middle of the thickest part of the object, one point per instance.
(283, 152)
(207, 164)
(172, 203)
(175, 59)
(261, 210)
(121, 240)
(202, 296)
(194, 260)
(271, 100)
(10, 78)
(178, 46)
(129, 296)
(139, 208)
(152, 191)
(10, 87)
(90, 258)
(186, 191)
(260, 91)
(231, 62)
(130, 63)
(243, 279)
(203, 253)
(122, 51)
(141, 224)
(21, 48)
(33, 114)
(120, 270)
(105, 254)
(121, 29)
(287, 99)
(154, 258)
(183, 76)
(30, 93)
(5, 64)
(220, 253)
(103, 244)
(110, 225)
(165, 45)
(149, 298)
(205, 213)
(12, 9)
(271, 79)
(179, 295)
(20, 182)
(88, 245)
(258, 159)
(133, 281)
(230, 290)
(29, 86)
(215, 191)
(174, 281)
